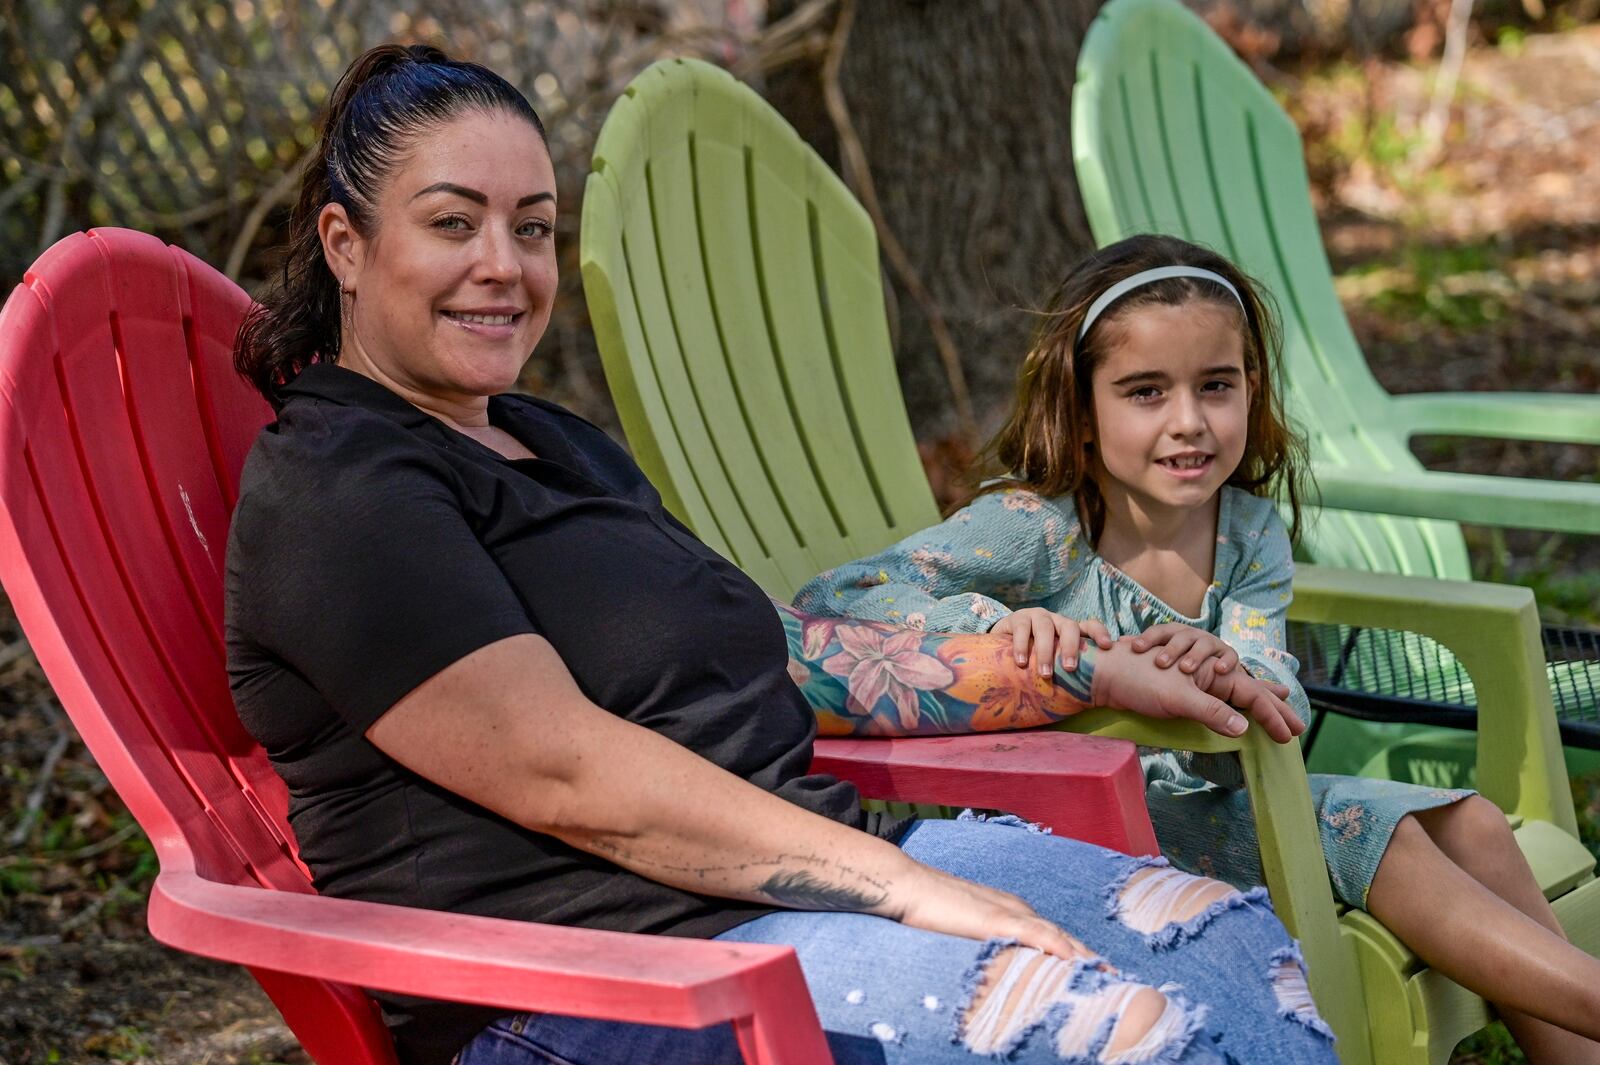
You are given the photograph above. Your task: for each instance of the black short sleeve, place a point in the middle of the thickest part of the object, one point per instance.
(365, 576)
(374, 545)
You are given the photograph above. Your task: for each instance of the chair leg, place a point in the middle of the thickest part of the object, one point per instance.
(782, 1027)
(782, 1040)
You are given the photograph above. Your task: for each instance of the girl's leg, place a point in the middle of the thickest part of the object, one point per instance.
(1484, 923)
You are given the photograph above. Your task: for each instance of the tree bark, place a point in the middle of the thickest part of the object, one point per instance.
(963, 110)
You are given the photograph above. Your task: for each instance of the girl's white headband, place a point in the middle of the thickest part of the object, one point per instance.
(1149, 277)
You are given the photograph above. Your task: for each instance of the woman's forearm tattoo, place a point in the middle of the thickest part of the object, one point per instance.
(865, 678)
(801, 890)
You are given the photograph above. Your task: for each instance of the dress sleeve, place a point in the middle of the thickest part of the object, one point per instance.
(1003, 551)
(1255, 605)
(364, 577)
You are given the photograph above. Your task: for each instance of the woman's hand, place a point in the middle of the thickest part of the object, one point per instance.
(1126, 679)
(939, 902)
(1187, 646)
(1043, 631)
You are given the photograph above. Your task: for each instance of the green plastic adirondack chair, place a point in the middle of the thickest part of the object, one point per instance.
(735, 292)
(1173, 134)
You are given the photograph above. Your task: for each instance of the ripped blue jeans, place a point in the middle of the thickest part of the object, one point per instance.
(1185, 970)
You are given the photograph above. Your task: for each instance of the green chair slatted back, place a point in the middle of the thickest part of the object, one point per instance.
(735, 292)
(1173, 134)
(716, 246)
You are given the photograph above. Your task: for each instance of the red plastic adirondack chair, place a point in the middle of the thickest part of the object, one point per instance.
(123, 429)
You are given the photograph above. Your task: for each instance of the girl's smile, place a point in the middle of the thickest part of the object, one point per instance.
(1189, 464)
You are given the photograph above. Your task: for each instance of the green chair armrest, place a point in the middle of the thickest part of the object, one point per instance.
(1291, 852)
(1511, 502)
(1562, 417)
(1493, 630)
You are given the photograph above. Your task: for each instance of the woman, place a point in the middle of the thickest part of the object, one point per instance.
(499, 679)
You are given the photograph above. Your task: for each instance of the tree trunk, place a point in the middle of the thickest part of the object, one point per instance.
(963, 110)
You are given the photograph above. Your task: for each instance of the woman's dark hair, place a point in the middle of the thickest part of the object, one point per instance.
(388, 96)
(1046, 441)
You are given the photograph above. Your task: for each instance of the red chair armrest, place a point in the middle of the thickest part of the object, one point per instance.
(1084, 787)
(516, 965)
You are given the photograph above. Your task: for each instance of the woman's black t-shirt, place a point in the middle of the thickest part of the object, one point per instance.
(373, 546)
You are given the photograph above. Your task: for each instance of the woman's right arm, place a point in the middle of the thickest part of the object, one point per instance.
(507, 728)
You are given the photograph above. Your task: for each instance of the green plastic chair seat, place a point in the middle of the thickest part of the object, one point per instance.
(1397, 676)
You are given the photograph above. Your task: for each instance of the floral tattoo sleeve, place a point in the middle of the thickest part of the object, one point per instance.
(866, 678)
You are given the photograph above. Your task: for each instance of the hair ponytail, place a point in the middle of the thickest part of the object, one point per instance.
(383, 101)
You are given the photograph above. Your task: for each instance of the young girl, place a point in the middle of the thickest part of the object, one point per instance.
(1146, 449)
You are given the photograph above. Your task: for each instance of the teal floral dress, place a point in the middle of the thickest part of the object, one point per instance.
(1013, 548)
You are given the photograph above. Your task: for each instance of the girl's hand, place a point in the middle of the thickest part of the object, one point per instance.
(1186, 645)
(1127, 680)
(1264, 700)
(1044, 631)
(939, 902)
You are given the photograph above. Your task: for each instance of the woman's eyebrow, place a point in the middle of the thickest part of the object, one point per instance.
(480, 198)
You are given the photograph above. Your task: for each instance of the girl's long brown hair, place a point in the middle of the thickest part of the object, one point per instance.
(1046, 443)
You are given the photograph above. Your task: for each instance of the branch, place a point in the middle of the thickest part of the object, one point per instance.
(258, 215)
(41, 787)
(1437, 119)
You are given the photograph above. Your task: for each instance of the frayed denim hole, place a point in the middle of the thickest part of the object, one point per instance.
(1004, 1040)
(1173, 933)
(1010, 820)
(1112, 892)
(1188, 1024)
(1181, 1020)
(972, 981)
(1286, 970)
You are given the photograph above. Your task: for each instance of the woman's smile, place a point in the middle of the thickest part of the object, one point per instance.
(451, 290)
(493, 323)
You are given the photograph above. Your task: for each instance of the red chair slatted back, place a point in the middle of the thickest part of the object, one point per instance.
(123, 429)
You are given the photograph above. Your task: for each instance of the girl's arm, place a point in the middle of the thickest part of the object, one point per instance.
(872, 679)
(867, 678)
(1005, 550)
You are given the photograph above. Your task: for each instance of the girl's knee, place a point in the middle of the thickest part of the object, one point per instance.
(1484, 823)
(1472, 826)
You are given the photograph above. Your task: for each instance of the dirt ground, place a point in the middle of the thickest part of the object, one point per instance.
(1475, 267)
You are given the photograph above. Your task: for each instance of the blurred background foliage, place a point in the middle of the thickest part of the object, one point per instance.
(1454, 153)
